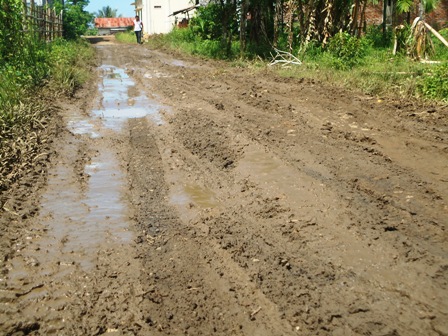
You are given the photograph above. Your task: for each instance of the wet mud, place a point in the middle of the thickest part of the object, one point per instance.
(187, 197)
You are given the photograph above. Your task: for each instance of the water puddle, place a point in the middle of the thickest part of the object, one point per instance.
(80, 125)
(279, 178)
(85, 214)
(82, 221)
(194, 194)
(121, 100)
(177, 63)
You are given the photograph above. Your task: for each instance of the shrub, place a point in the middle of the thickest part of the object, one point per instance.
(377, 38)
(435, 86)
(347, 50)
(441, 51)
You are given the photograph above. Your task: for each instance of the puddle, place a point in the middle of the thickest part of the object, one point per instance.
(121, 101)
(155, 74)
(190, 193)
(83, 219)
(83, 126)
(177, 63)
(279, 178)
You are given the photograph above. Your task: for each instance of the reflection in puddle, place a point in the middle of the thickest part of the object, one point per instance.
(189, 193)
(83, 218)
(273, 174)
(82, 126)
(262, 164)
(178, 63)
(120, 100)
(80, 222)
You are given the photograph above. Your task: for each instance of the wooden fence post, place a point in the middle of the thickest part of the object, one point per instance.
(41, 21)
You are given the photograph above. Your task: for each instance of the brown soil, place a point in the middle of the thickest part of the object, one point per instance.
(258, 205)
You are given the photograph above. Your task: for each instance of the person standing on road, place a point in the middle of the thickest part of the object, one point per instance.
(138, 29)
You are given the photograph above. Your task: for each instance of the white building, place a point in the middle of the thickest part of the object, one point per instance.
(159, 16)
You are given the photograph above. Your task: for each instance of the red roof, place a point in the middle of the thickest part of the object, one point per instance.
(113, 22)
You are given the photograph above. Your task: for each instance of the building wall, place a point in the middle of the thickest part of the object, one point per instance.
(155, 14)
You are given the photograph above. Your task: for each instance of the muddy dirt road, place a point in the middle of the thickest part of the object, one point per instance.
(187, 197)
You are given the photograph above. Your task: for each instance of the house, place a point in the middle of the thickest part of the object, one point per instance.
(108, 26)
(159, 16)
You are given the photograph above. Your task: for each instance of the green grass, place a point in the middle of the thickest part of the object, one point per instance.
(375, 71)
(58, 68)
(70, 65)
(127, 37)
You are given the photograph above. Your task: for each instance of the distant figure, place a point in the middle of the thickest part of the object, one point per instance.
(138, 29)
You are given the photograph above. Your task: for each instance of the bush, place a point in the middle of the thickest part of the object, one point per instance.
(441, 51)
(376, 37)
(207, 22)
(348, 51)
(435, 86)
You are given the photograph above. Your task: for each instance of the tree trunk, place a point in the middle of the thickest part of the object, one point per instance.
(277, 19)
(355, 18)
(362, 18)
(290, 22)
(243, 24)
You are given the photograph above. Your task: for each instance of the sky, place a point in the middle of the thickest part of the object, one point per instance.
(123, 6)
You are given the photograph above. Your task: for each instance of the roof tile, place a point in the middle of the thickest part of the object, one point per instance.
(113, 22)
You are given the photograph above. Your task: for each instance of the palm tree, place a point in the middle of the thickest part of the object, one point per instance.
(419, 45)
(428, 6)
(107, 12)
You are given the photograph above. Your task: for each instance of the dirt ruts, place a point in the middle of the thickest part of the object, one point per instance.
(256, 205)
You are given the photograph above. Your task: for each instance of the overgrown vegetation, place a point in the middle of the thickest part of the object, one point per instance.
(28, 68)
(76, 19)
(126, 37)
(329, 38)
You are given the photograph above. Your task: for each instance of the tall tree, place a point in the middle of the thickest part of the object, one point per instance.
(75, 18)
(107, 12)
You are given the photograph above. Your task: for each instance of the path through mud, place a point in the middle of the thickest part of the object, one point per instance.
(189, 197)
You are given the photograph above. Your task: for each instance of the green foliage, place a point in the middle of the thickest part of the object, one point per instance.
(107, 12)
(91, 32)
(63, 66)
(348, 51)
(76, 19)
(376, 37)
(435, 86)
(207, 22)
(441, 51)
(404, 6)
(10, 29)
(22, 62)
(126, 37)
(69, 61)
(26, 64)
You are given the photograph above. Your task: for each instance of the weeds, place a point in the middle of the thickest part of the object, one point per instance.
(435, 86)
(364, 64)
(127, 37)
(61, 67)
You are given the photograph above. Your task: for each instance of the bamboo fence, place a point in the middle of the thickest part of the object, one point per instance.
(42, 20)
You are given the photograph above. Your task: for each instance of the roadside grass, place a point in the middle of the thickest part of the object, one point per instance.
(362, 66)
(70, 66)
(184, 40)
(126, 37)
(25, 100)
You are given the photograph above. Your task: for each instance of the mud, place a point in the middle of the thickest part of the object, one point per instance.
(190, 197)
